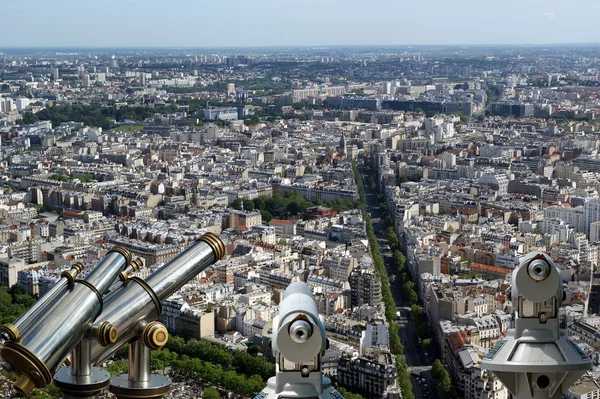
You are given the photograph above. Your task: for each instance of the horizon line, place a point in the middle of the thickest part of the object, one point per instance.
(178, 47)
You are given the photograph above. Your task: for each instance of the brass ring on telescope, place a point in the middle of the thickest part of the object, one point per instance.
(32, 371)
(69, 275)
(78, 267)
(151, 293)
(155, 335)
(107, 334)
(94, 290)
(216, 244)
(137, 264)
(123, 276)
(123, 251)
(11, 331)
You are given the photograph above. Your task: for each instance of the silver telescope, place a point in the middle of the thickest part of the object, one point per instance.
(135, 310)
(138, 302)
(67, 317)
(13, 331)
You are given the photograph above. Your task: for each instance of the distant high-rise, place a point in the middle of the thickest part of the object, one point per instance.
(87, 82)
(343, 147)
(231, 89)
(55, 73)
(386, 88)
(142, 79)
(591, 211)
(114, 64)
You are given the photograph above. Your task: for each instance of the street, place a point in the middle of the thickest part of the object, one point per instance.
(419, 362)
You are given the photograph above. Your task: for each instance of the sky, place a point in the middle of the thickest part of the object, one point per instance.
(237, 23)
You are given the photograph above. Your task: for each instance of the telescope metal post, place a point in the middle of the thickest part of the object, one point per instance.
(81, 380)
(139, 362)
(81, 359)
(140, 382)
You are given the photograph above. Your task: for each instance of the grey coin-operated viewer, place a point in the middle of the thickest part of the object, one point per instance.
(536, 359)
(299, 343)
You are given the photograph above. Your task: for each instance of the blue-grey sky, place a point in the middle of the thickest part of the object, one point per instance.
(208, 23)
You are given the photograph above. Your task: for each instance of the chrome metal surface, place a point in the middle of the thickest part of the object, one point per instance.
(139, 362)
(88, 387)
(80, 359)
(300, 331)
(42, 305)
(128, 308)
(172, 276)
(56, 332)
(538, 270)
(107, 271)
(122, 388)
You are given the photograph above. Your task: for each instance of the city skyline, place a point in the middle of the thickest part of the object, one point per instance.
(186, 23)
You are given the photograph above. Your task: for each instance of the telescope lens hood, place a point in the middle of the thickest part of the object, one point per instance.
(216, 244)
(31, 370)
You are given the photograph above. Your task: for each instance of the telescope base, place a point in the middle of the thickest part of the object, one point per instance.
(88, 387)
(156, 388)
(297, 389)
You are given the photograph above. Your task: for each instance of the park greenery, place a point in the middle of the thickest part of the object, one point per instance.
(86, 178)
(13, 302)
(94, 116)
(287, 204)
(396, 346)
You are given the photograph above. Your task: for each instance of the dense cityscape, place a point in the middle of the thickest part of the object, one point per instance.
(403, 184)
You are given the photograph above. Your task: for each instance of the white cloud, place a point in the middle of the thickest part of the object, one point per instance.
(549, 15)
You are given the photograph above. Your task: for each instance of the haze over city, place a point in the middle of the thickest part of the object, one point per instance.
(195, 194)
(192, 23)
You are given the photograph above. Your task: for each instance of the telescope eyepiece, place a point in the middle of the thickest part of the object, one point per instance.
(9, 332)
(300, 331)
(106, 334)
(155, 335)
(539, 270)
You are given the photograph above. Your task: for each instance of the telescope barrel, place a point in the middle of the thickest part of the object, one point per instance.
(12, 331)
(37, 355)
(138, 302)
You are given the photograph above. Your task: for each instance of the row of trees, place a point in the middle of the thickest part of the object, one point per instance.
(215, 374)
(283, 205)
(388, 300)
(445, 388)
(236, 371)
(239, 361)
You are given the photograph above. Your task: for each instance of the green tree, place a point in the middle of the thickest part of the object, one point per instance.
(426, 344)
(157, 364)
(392, 239)
(437, 369)
(118, 367)
(28, 119)
(445, 388)
(347, 394)
(236, 204)
(210, 393)
(37, 394)
(248, 205)
(416, 312)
